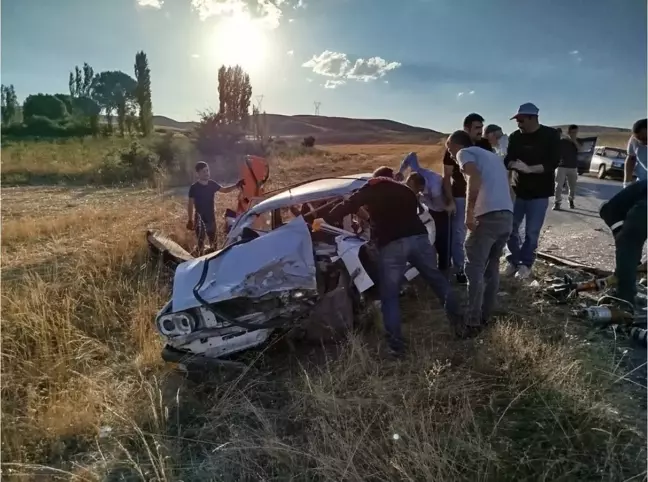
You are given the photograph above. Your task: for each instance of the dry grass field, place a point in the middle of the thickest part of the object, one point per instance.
(85, 395)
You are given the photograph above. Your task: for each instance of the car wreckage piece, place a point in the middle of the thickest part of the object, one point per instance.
(234, 299)
(271, 277)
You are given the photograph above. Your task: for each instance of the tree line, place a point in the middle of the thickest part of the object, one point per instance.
(119, 97)
(78, 112)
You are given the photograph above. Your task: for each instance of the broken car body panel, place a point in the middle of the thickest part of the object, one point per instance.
(278, 261)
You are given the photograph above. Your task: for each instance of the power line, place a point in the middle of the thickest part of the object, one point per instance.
(317, 107)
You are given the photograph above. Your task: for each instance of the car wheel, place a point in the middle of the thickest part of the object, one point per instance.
(601, 171)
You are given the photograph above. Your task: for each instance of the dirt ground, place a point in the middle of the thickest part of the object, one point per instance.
(85, 395)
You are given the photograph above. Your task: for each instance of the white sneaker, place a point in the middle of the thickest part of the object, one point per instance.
(524, 272)
(510, 269)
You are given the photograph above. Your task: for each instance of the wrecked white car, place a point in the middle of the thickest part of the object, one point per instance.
(274, 274)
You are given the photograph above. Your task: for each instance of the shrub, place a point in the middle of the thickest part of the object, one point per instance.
(177, 157)
(308, 141)
(134, 164)
(44, 105)
(140, 162)
(39, 126)
(214, 137)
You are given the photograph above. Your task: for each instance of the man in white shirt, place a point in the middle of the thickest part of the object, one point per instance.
(489, 219)
(635, 164)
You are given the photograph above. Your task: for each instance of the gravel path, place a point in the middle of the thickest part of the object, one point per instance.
(579, 234)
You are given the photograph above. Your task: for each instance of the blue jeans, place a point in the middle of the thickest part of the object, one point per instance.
(419, 252)
(458, 233)
(533, 212)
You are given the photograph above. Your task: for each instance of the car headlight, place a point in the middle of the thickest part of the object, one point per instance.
(617, 164)
(176, 324)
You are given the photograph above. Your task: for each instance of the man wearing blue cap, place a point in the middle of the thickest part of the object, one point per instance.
(533, 156)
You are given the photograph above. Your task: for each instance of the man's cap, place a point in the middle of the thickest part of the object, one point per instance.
(492, 128)
(526, 109)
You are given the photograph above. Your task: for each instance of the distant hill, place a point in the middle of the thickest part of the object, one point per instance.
(330, 130)
(345, 130)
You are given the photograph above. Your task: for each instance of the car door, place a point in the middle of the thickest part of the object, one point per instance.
(586, 153)
(596, 159)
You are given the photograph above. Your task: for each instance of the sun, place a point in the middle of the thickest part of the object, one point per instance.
(241, 40)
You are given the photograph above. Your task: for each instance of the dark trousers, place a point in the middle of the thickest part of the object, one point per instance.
(626, 215)
(442, 240)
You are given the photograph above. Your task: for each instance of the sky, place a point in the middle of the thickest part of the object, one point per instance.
(423, 62)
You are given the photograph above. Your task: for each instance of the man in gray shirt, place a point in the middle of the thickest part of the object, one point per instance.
(489, 219)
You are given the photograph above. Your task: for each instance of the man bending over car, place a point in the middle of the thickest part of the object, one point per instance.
(489, 219)
(401, 237)
(201, 212)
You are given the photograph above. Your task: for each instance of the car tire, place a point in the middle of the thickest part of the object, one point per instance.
(601, 171)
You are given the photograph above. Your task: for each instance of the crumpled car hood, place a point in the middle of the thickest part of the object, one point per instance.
(278, 261)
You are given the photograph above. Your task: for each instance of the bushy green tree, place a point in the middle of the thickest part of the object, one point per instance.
(114, 91)
(83, 107)
(44, 105)
(143, 93)
(234, 94)
(219, 132)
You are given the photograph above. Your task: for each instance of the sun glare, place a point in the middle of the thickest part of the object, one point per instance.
(239, 40)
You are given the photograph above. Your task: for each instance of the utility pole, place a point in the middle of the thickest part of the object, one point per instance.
(259, 100)
(317, 106)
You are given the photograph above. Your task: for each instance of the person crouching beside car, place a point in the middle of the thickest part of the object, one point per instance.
(401, 237)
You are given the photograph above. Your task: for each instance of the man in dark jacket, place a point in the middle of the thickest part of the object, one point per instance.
(533, 155)
(567, 166)
(401, 237)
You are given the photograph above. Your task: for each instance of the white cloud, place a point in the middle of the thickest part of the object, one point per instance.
(291, 52)
(472, 92)
(267, 11)
(195, 56)
(460, 94)
(339, 66)
(371, 69)
(308, 79)
(332, 84)
(291, 20)
(330, 64)
(576, 55)
(150, 3)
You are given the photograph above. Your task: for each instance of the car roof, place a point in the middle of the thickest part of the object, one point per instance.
(312, 191)
(620, 149)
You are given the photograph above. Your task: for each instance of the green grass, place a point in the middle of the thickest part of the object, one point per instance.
(56, 162)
